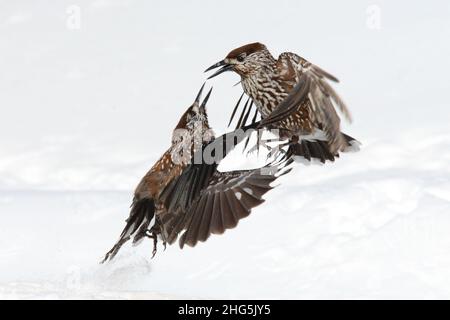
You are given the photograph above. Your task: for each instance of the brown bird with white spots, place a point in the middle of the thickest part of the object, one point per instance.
(181, 193)
(294, 96)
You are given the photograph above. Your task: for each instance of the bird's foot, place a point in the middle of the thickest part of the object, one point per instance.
(264, 144)
(152, 235)
(287, 149)
(277, 151)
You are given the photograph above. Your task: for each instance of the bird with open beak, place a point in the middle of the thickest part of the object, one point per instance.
(180, 196)
(293, 96)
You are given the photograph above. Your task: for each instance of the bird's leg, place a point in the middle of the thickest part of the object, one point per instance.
(155, 242)
(276, 151)
(263, 143)
(152, 235)
(293, 140)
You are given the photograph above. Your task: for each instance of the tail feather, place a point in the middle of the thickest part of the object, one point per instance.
(142, 213)
(142, 231)
(319, 149)
(352, 143)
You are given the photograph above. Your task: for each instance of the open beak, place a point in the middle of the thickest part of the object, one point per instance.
(201, 107)
(205, 101)
(199, 94)
(225, 67)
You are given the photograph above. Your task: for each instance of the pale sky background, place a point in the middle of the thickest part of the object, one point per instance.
(109, 93)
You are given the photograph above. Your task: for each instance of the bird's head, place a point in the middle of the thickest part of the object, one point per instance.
(192, 130)
(195, 116)
(244, 60)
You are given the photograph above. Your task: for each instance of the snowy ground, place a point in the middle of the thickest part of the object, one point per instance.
(364, 227)
(89, 111)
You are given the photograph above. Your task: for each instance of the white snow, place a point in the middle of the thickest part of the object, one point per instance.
(372, 225)
(85, 113)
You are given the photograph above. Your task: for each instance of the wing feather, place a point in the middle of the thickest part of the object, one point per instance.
(229, 197)
(312, 85)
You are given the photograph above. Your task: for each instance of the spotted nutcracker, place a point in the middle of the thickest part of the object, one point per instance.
(294, 96)
(180, 195)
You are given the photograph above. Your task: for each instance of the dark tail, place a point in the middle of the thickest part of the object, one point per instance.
(319, 149)
(142, 213)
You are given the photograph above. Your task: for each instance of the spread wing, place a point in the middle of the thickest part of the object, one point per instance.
(195, 177)
(312, 85)
(182, 191)
(229, 197)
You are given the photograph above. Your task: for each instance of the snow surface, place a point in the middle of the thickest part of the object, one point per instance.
(86, 112)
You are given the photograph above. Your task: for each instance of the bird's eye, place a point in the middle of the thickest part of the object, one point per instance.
(241, 58)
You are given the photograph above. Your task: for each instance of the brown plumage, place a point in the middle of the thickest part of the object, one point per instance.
(294, 96)
(147, 204)
(185, 196)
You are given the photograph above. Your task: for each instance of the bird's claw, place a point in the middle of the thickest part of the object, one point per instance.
(275, 151)
(263, 143)
(152, 235)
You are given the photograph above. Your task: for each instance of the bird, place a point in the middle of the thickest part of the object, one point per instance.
(293, 96)
(185, 194)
